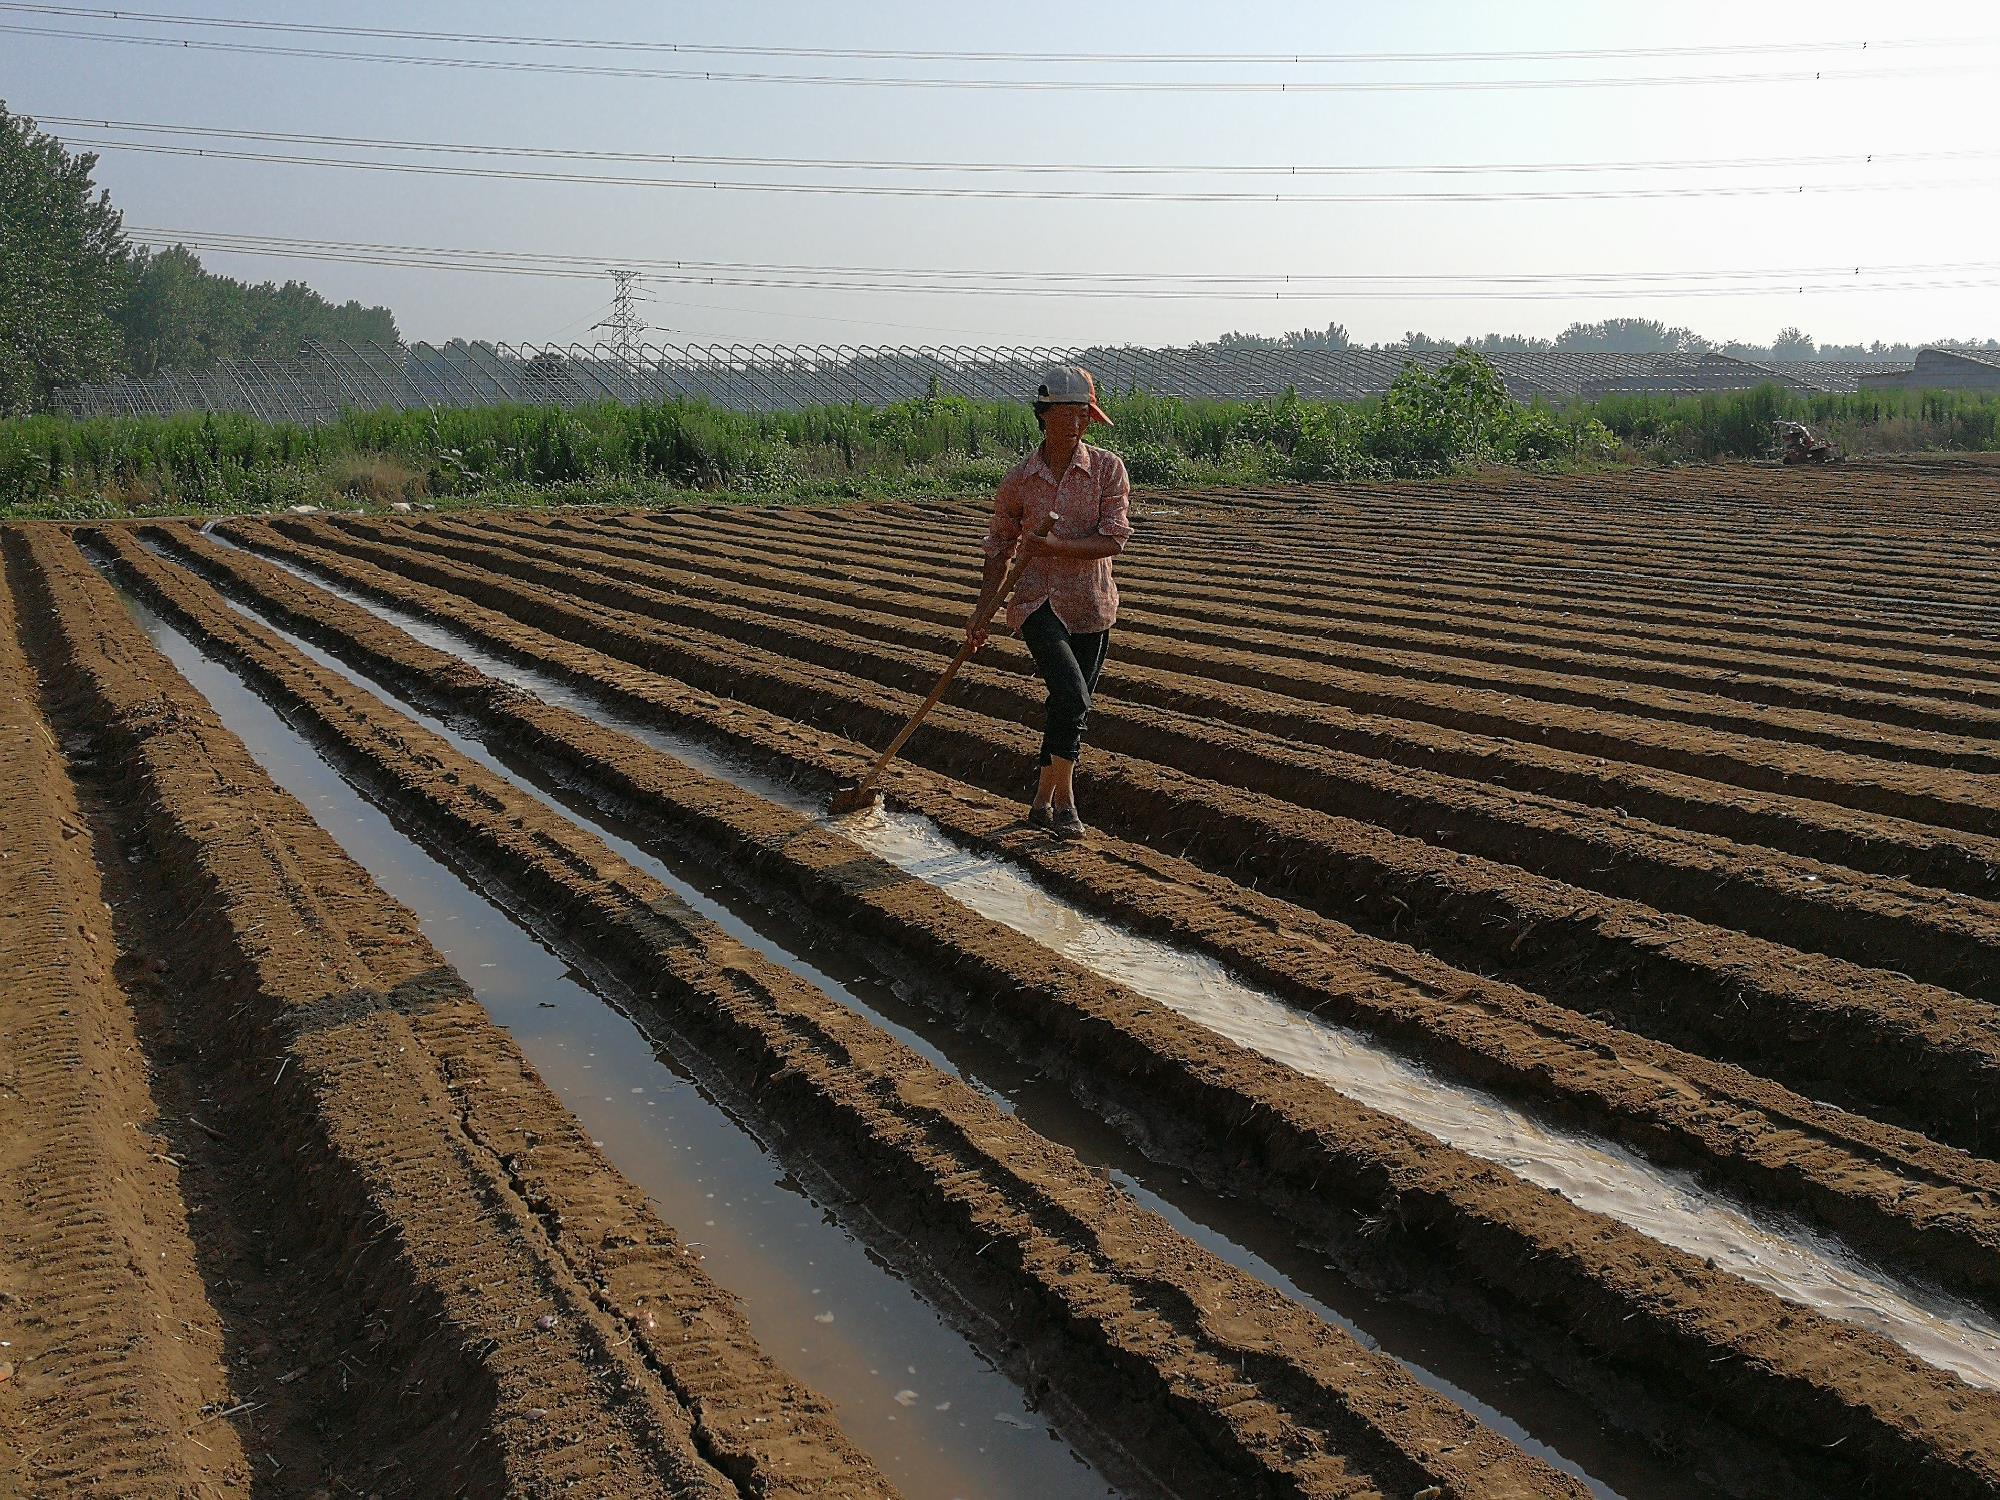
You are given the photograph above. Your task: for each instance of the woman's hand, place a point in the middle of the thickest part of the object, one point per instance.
(975, 637)
(1035, 546)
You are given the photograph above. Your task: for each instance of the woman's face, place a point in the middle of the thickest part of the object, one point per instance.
(1064, 424)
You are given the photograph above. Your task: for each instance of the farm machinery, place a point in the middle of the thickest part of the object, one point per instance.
(1797, 445)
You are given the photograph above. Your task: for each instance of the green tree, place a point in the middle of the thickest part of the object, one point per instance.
(1333, 336)
(181, 314)
(62, 267)
(166, 313)
(1506, 343)
(1631, 336)
(1792, 344)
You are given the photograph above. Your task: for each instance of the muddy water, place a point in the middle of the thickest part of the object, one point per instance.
(1790, 1259)
(936, 1417)
(1512, 1399)
(1787, 1258)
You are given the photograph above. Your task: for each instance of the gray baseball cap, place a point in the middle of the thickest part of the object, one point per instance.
(1071, 385)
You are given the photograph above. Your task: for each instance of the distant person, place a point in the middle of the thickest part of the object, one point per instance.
(1065, 602)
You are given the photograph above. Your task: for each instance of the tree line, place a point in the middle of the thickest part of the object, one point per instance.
(80, 303)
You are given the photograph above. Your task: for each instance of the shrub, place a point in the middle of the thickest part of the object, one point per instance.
(1156, 463)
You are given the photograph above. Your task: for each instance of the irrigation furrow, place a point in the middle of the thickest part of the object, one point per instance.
(923, 1007)
(1818, 830)
(1595, 525)
(1323, 563)
(1886, 499)
(1321, 559)
(1941, 589)
(1467, 1025)
(1946, 939)
(1623, 508)
(1311, 565)
(1594, 853)
(1781, 598)
(1858, 689)
(790, 1266)
(1351, 595)
(1926, 730)
(1155, 671)
(389, 1092)
(1217, 1377)
(1942, 795)
(891, 557)
(1870, 777)
(1604, 1277)
(1824, 1026)
(1529, 542)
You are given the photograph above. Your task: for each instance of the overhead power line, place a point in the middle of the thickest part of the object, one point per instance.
(1042, 194)
(884, 54)
(1287, 278)
(1543, 288)
(1066, 169)
(1030, 85)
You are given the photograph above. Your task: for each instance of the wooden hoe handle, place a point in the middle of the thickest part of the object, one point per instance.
(988, 608)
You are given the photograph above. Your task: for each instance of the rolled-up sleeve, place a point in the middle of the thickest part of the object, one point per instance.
(1004, 528)
(1114, 504)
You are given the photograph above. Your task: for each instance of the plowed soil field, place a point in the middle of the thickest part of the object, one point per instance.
(1525, 1020)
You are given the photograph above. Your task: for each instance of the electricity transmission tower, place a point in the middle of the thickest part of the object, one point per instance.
(624, 325)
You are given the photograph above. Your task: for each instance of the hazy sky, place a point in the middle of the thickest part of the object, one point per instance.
(1942, 102)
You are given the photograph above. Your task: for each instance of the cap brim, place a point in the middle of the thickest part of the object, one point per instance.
(1097, 415)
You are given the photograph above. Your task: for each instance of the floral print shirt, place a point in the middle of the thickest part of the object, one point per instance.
(1091, 497)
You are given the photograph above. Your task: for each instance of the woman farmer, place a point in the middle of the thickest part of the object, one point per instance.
(1065, 601)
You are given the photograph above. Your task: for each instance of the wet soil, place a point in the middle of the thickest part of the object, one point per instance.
(1823, 1026)
(855, 1332)
(1488, 825)
(1107, 1071)
(952, 1163)
(486, 1342)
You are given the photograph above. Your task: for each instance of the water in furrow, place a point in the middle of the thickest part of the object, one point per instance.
(1506, 1396)
(1791, 1259)
(932, 1412)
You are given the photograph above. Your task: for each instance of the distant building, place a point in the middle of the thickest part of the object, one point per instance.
(1943, 370)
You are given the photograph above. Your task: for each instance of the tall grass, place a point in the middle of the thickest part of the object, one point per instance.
(1426, 424)
(1738, 424)
(213, 460)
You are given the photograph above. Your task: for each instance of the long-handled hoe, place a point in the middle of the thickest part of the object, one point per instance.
(865, 793)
